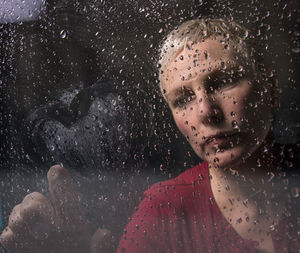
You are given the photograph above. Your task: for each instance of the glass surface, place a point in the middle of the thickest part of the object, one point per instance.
(79, 87)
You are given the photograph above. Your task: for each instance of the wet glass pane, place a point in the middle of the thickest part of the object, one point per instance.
(123, 96)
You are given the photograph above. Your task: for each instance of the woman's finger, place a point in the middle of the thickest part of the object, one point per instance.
(8, 240)
(65, 200)
(102, 242)
(38, 214)
(10, 243)
(18, 226)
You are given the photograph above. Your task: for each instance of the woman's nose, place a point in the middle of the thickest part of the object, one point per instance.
(210, 112)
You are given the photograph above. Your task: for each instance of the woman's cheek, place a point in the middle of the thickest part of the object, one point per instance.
(181, 123)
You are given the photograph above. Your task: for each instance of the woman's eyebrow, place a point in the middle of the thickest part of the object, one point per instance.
(231, 70)
(176, 92)
(173, 93)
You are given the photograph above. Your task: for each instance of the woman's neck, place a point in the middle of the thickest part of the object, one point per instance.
(245, 195)
(252, 180)
(260, 166)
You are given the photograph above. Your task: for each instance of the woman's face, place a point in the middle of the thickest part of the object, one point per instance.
(216, 103)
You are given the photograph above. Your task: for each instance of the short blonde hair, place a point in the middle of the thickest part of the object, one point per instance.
(197, 30)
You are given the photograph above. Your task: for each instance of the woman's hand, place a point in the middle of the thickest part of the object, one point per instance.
(40, 226)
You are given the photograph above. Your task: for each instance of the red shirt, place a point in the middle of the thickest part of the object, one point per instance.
(180, 215)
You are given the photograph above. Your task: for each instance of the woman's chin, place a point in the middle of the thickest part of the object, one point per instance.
(226, 158)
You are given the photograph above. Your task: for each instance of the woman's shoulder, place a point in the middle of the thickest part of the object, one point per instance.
(185, 179)
(164, 201)
(181, 190)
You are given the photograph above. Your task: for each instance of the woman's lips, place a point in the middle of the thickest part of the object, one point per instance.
(221, 139)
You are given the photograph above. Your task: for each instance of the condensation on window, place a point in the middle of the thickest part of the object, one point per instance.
(80, 88)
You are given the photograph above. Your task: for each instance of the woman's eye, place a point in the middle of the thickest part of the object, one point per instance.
(226, 81)
(182, 101)
(223, 82)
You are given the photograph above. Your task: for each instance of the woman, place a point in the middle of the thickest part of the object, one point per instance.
(238, 199)
(221, 96)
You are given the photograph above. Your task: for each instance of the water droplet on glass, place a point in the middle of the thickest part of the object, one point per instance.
(205, 55)
(258, 162)
(234, 125)
(285, 181)
(296, 50)
(246, 34)
(63, 34)
(295, 192)
(241, 68)
(258, 32)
